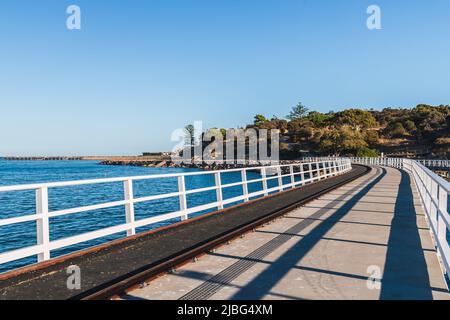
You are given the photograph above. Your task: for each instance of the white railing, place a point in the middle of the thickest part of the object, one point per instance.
(435, 163)
(314, 171)
(430, 163)
(433, 192)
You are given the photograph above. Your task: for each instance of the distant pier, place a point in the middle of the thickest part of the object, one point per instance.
(105, 159)
(40, 158)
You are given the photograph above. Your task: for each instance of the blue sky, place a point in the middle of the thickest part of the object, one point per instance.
(139, 69)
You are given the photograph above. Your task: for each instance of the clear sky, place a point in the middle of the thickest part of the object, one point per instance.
(138, 69)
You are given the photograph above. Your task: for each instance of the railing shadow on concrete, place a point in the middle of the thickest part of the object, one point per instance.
(433, 191)
(263, 283)
(296, 174)
(404, 249)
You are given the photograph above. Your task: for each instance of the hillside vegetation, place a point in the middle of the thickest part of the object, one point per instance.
(422, 131)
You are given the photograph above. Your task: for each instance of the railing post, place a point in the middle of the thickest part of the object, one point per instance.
(428, 203)
(42, 224)
(310, 172)
(218, 190)
(302, 175)
(318, 171)
(280, 179)
(129, 206)
(326, 168)
(244, 184)
(441, 225)
(291, 171)
(434, 209)
(322, 170)
(264, 180)
(182, 196)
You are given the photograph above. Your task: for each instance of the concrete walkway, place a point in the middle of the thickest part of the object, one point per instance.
(366, 240)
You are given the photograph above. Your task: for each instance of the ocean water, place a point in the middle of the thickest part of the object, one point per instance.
(14, 204)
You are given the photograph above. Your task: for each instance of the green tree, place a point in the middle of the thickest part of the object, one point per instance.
(341, 140)
(189, 131)
(329, 142)
(300, 129)
(298, 112)
(259, 119)
(319, 119)
(279, 124)
(395, 130)
(372, 137)
(366, 152)
(351, 140)
(410, 126)
(356, 118)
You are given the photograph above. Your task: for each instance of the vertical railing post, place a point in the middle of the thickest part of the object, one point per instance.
(302, 175)
(42, 224)
(264, 180)
(280, 179)
(129, 206)
(218, 190)
(318, 171)
(310, 173)
(182, 196)
(441, 225)
(434, 209)
(322, 170)
(428, 188)
(291, 171)
(244, 184)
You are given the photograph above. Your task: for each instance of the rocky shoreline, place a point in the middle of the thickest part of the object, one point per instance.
(203, 165)
(153, 162)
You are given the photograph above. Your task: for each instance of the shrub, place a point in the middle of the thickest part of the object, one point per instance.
(366, 152)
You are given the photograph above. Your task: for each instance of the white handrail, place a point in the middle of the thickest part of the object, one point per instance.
(430, 163)
(315, 171)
